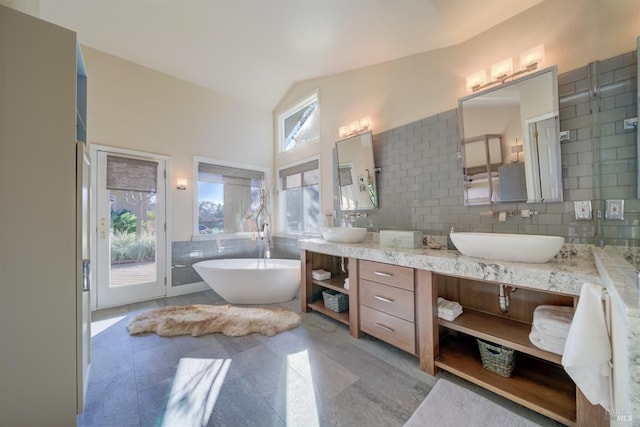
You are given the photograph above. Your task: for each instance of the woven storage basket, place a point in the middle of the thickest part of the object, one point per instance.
(497, 358)
(335, 301)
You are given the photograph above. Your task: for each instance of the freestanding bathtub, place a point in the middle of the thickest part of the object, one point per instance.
(247, 281)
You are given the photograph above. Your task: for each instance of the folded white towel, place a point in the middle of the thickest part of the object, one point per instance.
(448, 310)
(346, 283)
(547, 342)
(449, 317)
(587, 352)
(553, 320)
(321, 274)
(448, 305)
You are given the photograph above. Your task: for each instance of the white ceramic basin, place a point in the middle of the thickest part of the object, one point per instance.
(343, 234)
(508, 247)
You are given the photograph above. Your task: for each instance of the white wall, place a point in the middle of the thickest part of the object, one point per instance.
(133, 107)
(574, 32)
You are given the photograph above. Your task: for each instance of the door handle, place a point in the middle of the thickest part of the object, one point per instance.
(86, 275)
(103, 228)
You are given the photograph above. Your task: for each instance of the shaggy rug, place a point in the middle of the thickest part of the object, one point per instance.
(450, 405)
(200, 319)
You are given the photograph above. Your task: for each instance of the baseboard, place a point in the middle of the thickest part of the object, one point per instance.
(190, 288)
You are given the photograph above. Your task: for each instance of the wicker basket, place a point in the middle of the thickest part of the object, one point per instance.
(496, 358)
(335, 301)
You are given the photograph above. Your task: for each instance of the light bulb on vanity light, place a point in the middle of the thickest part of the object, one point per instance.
(502, 69)
(532, 58)
(477, 79)
(365, 123)
(181, 183)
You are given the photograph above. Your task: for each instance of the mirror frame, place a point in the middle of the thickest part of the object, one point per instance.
(553, 188)
(363, 180)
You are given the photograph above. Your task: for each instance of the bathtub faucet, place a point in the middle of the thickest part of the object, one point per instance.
(266, 238)
(265, 248)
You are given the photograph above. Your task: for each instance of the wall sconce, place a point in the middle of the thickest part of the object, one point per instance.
(181, 183)
(516, 148)
(355, 127)
(502, 71)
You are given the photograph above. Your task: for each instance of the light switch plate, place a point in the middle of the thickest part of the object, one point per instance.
(615, 209)
(583, 209)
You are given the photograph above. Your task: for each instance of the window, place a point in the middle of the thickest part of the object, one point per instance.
(300, 197)
(299, 124)
(230, 199)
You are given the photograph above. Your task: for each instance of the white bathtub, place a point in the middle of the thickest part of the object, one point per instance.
(247, 281)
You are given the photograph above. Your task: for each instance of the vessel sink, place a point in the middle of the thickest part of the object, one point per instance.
(343, 234)
(508, 247)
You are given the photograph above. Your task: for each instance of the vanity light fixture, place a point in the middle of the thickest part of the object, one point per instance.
(181, 183)
(530, 60)
(355, 127)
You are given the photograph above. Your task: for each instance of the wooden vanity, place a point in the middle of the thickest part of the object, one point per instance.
(398, 304)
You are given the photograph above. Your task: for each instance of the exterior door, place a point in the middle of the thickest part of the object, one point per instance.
(131, 207)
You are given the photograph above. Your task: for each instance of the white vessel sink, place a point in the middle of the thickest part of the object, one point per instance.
(343, 234)
(508, 247)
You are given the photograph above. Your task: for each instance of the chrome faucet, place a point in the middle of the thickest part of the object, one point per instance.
(265, 248)
(349, 220)
(266, 238)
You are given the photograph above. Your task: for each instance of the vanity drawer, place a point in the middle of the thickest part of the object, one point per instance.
(391, 300)
(392, 275)
(391, 329)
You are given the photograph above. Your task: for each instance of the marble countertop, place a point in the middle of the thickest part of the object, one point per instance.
(620, 278)
(561, 275)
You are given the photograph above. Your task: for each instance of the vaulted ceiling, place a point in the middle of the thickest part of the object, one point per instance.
(254, 50)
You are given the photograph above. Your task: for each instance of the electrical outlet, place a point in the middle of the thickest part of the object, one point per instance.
(630, 124)
(582, 209)
(615, 209)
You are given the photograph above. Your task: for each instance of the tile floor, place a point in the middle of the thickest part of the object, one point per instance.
(314, 375)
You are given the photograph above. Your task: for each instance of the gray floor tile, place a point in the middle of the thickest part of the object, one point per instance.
(313, 375)
(113, 402)
(240, 405)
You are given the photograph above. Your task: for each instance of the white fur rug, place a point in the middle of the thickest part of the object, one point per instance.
(200, 319)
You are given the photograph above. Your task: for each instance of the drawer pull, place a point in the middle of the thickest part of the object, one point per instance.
(383, 299)
(386, 328)
(382, 273)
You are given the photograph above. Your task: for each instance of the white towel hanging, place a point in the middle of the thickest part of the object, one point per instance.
(587, 353)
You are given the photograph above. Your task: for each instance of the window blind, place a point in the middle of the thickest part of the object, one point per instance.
(127, 174)
(301, 175)
(229, 175)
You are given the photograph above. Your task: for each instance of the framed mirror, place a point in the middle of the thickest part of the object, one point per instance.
(356, 175)
(511, 142)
